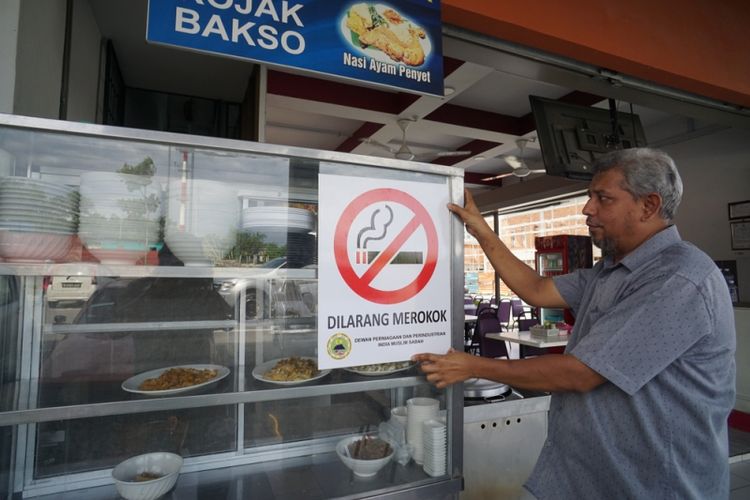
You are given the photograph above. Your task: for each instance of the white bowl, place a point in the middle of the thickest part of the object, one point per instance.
(31, 246)
(167, 465)
(361, 468)
(199, 250)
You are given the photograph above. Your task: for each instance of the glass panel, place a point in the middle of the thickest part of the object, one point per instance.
(126, 327)
(71, 199)
(71, 446)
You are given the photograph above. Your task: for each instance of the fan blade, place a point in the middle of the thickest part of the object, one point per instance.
(538, 171)
(513, 161)
(380, 145)
(496, 177)
(443, 154)
(439, 154)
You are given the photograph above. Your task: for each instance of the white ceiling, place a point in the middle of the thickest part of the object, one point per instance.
(490, 97)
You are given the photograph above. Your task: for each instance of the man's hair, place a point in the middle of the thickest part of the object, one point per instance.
(646, 171)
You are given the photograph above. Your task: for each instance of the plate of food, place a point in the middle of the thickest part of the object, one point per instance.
(289, 371)
(378, 369)
(174, 379)
(383, 33)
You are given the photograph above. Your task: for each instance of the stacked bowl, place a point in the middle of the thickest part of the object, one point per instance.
(284, 226)
(435, 444)
(120, 216)
(419, 410)
(37, 219)
(202, 220)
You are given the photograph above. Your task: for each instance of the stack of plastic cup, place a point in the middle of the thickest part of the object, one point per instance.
(419, 410)
(435, 446)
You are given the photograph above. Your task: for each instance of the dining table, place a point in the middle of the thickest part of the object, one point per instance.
(524, 337)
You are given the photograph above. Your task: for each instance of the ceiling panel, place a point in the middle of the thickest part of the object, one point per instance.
(506, 93)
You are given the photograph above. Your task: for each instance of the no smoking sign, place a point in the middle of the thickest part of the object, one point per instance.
(385, 246)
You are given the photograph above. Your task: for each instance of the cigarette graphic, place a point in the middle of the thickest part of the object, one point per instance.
(366, 257)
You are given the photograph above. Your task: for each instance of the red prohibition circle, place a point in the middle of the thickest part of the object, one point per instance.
(361, 284)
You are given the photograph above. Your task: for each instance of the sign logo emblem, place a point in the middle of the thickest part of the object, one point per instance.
(381, 228)
(339, 345)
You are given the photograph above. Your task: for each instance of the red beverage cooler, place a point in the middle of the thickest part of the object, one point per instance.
(561, 254)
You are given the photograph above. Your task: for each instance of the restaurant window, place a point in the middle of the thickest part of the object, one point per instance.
(517, 228)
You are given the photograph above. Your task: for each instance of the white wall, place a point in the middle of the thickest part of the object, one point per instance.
(8, 43)
(715, 170)
(84, 94)
(742, 322)
(41, 36)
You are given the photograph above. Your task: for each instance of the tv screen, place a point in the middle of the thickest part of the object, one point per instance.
(571, 136)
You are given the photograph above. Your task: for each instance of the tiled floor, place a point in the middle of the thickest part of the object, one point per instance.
(739, 460)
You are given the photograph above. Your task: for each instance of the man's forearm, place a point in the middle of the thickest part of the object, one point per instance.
(548, 373)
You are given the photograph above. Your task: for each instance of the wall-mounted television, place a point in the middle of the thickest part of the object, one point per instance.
(571, 136)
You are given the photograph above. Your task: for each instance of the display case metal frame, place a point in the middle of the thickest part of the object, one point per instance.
(25, 416)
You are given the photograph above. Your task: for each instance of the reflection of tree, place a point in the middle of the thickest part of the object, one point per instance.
(251, 247)
(146, 203)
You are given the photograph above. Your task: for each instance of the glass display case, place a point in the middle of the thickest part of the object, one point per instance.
(127, 252)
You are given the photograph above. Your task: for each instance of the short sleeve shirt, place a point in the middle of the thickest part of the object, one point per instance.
(659, 327)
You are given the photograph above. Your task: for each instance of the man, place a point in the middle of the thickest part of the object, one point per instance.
(642, 393)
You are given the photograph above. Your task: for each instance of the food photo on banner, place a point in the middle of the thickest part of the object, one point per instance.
(396, 44)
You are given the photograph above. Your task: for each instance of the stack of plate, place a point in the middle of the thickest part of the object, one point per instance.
(419, 410)
(292, 220)
(284, 226)
(119, 215)
(37, 219)
(202, 220)
(434, 434)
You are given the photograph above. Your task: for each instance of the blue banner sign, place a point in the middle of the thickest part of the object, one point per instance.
(397, 44)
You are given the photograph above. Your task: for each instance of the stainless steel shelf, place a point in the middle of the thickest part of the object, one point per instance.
(320, 476)
(125, 271)
(35, 415)
(139, 327)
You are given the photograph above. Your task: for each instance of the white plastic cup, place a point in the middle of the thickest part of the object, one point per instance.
(400, 415)
(419, 410)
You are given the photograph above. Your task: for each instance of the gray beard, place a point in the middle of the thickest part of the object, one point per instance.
(606, 245)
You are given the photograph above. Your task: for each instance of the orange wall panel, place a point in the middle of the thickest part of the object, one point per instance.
(699, 46)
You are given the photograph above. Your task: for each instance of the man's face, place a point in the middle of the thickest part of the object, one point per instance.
(612, 214)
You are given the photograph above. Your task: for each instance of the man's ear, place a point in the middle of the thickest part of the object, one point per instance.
(651, 206)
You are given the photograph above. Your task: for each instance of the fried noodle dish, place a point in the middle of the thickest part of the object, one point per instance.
(382, 367)
(388, 32)
(175, 378)
(292, 369)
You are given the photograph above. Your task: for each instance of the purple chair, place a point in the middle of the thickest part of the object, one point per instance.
(484, 305)
(516, 310)
(503, 313)
(488, 323)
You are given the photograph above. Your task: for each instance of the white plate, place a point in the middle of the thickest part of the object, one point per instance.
(376, 53)
(132, 384)
(262, 368)
(368, 373)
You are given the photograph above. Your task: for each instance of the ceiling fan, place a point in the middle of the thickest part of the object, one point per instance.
(404, 153)
(517, 163)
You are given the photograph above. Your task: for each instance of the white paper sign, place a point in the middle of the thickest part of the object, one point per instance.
(383, 270)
